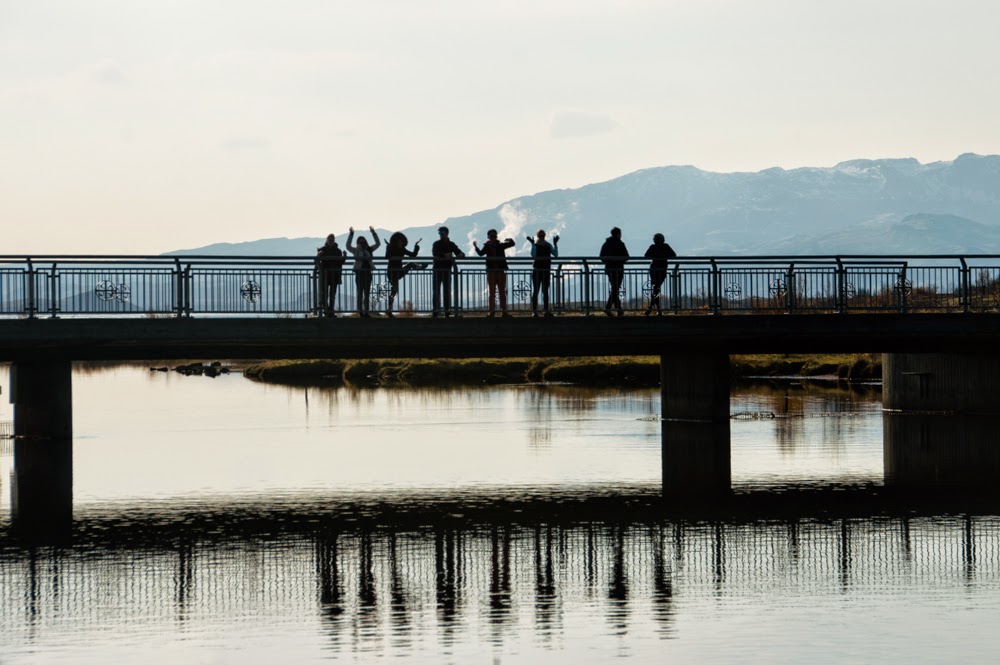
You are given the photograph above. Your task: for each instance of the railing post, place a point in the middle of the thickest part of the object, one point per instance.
(178, 288)
(32, 296)
(456, 290)
(587, 300)
(964, 287)
(186, 303)
(790, 288)
(54, 292)
(902, 289)
(714, 295)
(314, 288)
(840, 303)
(557, 300)
(675, 289)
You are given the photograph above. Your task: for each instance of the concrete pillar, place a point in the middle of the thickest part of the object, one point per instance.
(42, 491)
(695, 386)
(695, 429)
(941, 382)
(42, 395)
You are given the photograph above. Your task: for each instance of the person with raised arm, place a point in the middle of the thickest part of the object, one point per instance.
(613, 255)
(364, 266)
(444, 252)
(542, 251)
(330, 262)
(395, 252)
(659, 253)
(496, 270)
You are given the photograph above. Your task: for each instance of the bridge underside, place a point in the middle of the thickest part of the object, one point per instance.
(419, 337)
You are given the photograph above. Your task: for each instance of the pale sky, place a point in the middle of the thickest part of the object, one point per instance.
(144, 126)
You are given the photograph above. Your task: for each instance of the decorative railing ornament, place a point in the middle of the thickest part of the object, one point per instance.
(733, 291)
(106, 291)
(777, 288)
(381, 291)
(522, 291)
(250, 290)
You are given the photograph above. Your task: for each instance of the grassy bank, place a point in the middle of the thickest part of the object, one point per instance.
(616, 370)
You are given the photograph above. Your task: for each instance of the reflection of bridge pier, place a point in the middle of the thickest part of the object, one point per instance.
(941, 452)
(42, 491)
(695, 431)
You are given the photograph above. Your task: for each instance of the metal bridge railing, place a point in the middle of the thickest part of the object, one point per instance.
(100, 286)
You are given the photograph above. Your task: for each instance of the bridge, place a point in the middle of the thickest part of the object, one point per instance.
(935, 317)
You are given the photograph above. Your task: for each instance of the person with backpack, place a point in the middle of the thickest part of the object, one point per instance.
(541, 269)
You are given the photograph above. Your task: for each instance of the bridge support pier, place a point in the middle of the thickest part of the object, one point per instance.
(952, 382)
(939, 426)
(695, 428)
(42, 491)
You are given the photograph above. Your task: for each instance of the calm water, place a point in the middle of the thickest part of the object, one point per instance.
(219, 521)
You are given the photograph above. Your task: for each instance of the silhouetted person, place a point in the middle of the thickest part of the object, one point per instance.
(396, 251)
(614, 254)
(659, 252)
(364, 265)
(496, 269)
(330, 260)
(444, 252)
(541, 270)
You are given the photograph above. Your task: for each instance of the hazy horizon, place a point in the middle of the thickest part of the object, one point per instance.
(145, 128)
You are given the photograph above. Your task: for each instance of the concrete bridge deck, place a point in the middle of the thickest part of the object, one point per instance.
(68, 339)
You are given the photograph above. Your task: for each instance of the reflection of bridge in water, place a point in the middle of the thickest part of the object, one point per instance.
(395, 577)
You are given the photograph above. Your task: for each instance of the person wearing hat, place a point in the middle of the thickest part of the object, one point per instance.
(444, 252)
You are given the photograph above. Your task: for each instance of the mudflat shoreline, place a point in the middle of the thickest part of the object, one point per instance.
(606, 370)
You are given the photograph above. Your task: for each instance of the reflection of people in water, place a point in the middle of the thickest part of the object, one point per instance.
(331, 263)
(659, 252)
(541, 270)
(395, 252)
(330, 592)
(496, 269)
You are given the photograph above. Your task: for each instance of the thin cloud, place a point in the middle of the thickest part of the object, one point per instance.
(246, 143)
(575, 124)
(268, 62)
(110, 74)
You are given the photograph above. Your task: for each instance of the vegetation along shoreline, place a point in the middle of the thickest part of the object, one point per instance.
(605, 370)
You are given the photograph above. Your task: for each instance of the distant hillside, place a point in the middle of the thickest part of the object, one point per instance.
(914, 234)
(265, 247)
(856, 207)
